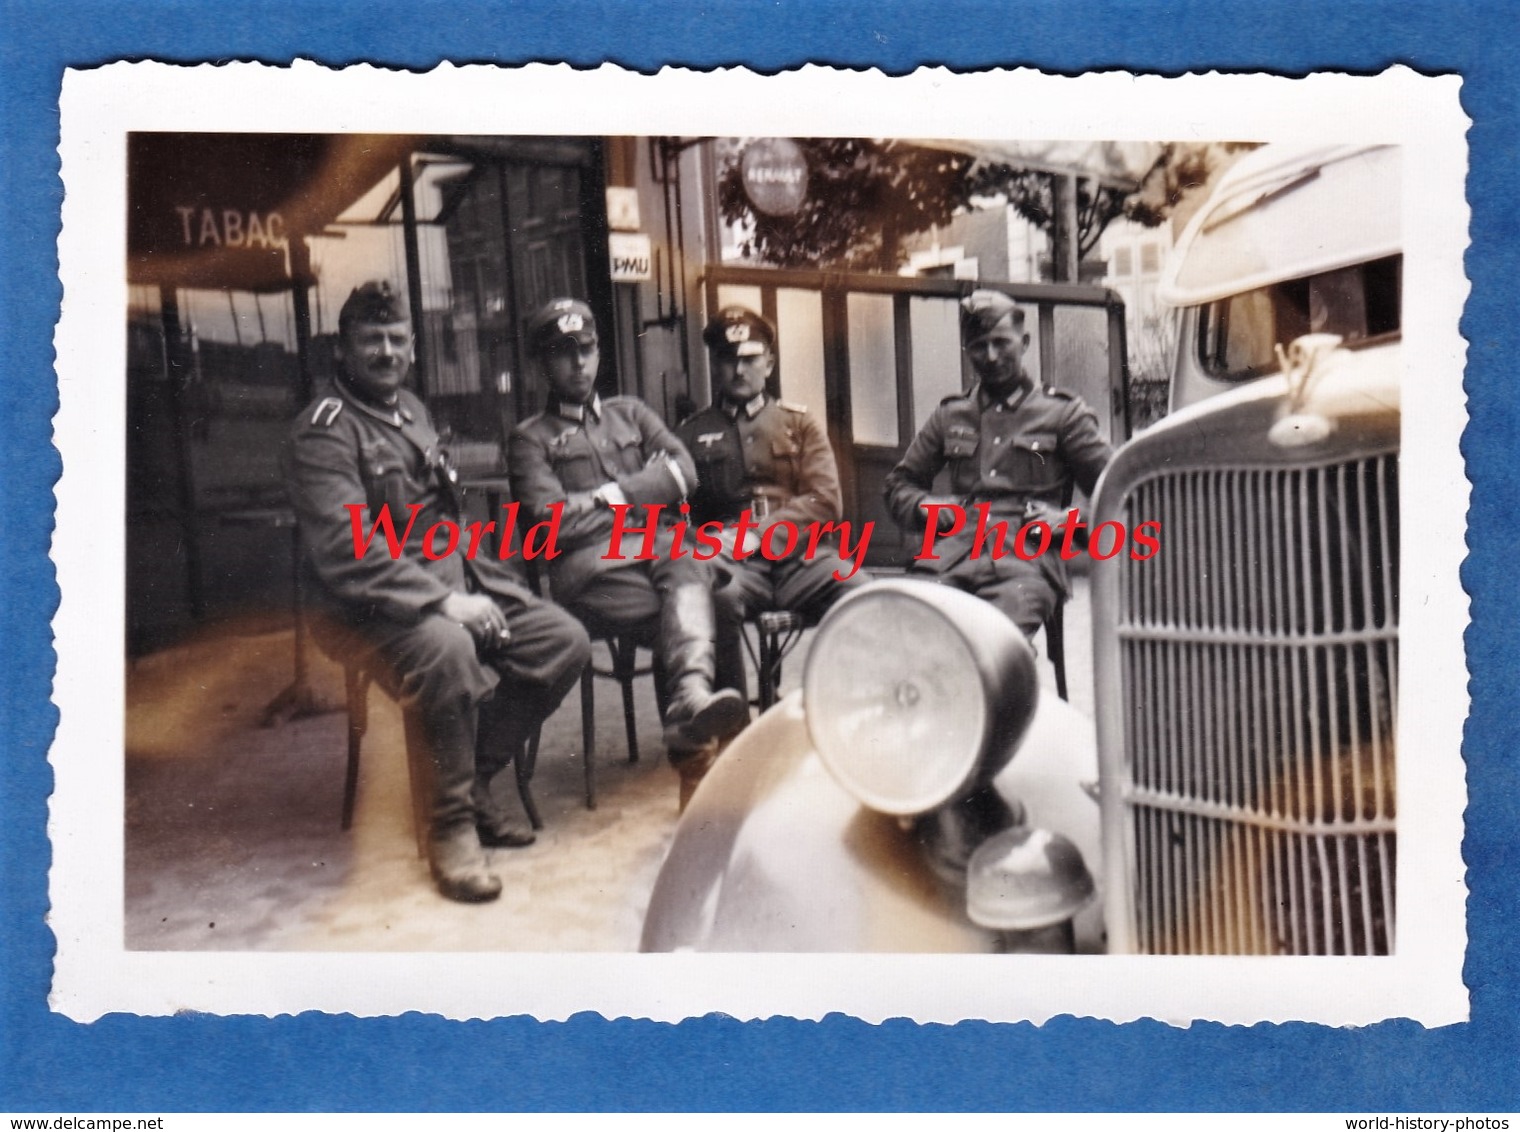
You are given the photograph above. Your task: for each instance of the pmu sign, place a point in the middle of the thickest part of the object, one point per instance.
(630, 255)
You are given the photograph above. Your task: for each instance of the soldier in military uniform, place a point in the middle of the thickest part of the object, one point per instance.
(463, 643)
(591, 453)
(769, 457)
(1011, 444)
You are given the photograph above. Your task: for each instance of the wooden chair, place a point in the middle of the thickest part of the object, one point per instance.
(356, 683)
(622, 641)
(777, 632)
(1055, 644)
(357, 680)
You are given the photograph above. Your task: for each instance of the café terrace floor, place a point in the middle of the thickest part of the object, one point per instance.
(232, 829)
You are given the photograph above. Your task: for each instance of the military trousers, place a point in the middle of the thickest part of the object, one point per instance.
(672, 596)
(475, 708)
(1026, 592)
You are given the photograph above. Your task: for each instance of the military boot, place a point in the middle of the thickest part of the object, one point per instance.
(500, 744)
(695, 715)
(457, 862)
(496, 829)
(459, 866)
(728, 669)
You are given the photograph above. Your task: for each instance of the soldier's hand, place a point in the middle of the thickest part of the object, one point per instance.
(479, 614)
(947, 510)
(1052, 517)
(734, 546)
(578, 503)
(610, 495)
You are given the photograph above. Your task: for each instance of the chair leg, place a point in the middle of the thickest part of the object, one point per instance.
(420, 772)
(1055, 645)
(768, 665)
(661, 692)
(588, 732)
(524, 764)
(625, 652)
(356, 691)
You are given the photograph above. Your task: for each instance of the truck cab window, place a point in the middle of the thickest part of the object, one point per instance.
(1360, 303)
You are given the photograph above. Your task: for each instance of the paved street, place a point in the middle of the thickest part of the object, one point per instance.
(232, 830)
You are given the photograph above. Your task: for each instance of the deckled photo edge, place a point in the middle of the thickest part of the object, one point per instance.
(94, 976)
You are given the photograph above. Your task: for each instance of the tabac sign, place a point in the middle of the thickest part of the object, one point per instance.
(222, 210)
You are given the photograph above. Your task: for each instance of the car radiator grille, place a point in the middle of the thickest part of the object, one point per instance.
(1259, 661)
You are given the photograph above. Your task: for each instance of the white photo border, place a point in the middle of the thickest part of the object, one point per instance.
(95, 975)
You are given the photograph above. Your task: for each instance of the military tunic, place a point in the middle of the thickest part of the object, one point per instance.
(769, 457)
(773, 459)
(568, 452)
(1031, 446)
(345, 450)
(383, 611)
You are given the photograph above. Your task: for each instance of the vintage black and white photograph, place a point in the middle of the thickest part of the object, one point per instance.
(687, 555)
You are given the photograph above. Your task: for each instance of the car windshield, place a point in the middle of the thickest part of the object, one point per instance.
(1361, 303)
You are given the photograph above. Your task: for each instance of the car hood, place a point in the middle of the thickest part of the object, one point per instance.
(773, 855)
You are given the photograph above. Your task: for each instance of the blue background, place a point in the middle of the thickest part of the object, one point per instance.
(48, 1063)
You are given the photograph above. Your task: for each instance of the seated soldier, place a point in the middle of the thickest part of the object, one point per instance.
(771, 458)
(590, 454)
(463, 643)
(1013, 445)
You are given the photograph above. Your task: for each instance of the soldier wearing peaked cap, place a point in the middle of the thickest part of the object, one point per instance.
(1009, 443)
(463, 643)
(592, 453)
(769, 457)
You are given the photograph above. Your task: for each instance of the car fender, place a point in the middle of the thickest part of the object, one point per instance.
(773, 855)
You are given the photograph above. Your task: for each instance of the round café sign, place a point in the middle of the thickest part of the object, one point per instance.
(775, 175)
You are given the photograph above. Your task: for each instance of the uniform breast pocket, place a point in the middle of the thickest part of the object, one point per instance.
(960, 453)
(573, 464)
(783, 456)
(959, 447)
(1034, 462)
(385, 481)
(628, 453)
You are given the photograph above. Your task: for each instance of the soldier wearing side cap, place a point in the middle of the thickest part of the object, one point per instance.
(1014, 445)
(769, 457)
(464, 644)
(591, 453)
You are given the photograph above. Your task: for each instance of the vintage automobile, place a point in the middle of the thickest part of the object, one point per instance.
(1237, 796)
(1246, 678)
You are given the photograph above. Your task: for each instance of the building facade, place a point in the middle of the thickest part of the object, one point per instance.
(243, 247)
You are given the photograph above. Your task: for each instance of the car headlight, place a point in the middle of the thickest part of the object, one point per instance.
(917, 694)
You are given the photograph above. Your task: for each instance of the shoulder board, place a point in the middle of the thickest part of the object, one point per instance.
(326, 411)
(1064, 394)
(953, 397)
(791, 406)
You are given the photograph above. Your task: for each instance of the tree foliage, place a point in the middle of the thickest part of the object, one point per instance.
(1178, 170)
(864, 195)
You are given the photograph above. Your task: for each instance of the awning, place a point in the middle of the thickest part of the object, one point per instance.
(221, 210)
(1120, 164)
